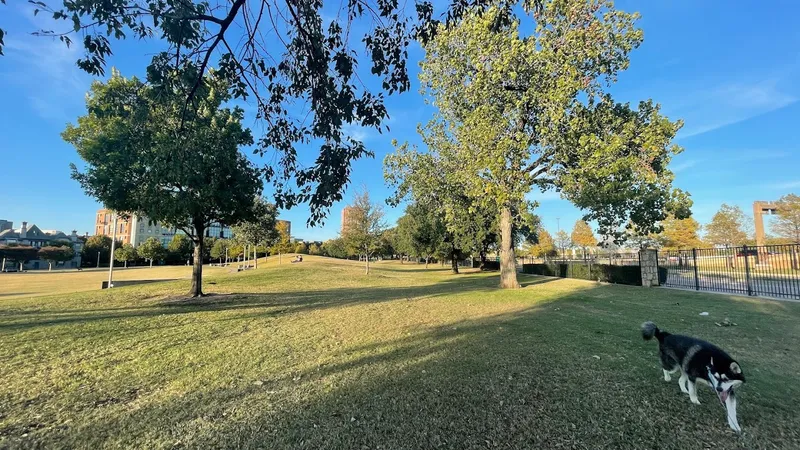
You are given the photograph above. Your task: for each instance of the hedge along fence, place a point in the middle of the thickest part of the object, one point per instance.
(488, 264)
(631, 275)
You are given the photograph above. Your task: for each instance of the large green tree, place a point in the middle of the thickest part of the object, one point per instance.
(220, 250)
(335, 248)
(145, 154)
(56, 253)
(545, 246)
(362, 236)
(427, 180)
(313, 69)
(18, 253)
(151, 250)
(680, 233)
(728, 227)
(563, 242)
(125, 254)
(260, 229)
(422, 229)
(787, 222)
(180, 247)
(96, 249)
(583, 237)
(283, 242)
(523, 109)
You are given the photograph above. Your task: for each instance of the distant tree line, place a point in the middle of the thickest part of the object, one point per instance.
(729, 227)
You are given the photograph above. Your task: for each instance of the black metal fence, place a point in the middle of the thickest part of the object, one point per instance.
(620, 258)
(770, 270)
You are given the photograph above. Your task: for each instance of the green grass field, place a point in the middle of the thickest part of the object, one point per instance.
(318, 355)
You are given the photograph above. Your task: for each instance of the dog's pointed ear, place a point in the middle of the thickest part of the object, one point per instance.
(735, 368)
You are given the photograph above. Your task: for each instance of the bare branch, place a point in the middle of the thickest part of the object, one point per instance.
(220, 36)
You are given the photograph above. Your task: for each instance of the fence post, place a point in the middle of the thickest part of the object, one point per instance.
(696, 276)
(648, 265)
(747, 271)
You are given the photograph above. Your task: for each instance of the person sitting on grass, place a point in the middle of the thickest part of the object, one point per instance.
(297, 259)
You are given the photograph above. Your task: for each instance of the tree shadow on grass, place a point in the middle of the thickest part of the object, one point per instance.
(272, 303)
(552, 375)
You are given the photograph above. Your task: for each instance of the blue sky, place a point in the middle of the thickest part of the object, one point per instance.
(725, 68)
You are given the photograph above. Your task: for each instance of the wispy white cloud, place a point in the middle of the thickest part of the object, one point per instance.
(683, 165)
(730, 103)
(729, 157)
(43, 69)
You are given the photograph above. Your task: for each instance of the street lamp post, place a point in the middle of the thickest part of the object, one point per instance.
(111, 257)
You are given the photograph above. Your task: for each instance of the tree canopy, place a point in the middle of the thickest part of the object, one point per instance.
(299, 65)
(55, 253)
(787, 222)
(180, 247)
(97, 244)
(283, 242)
(335, 248)
(19, 253)
(545, 247)
(151, 250)
(680, 233)
(362, 236)
(728, 227)
(563, 242)
(523, 110)
(582, 235)
(142, 157)
(259, 229)
(126, 253)
(421, 231)
(220, 249)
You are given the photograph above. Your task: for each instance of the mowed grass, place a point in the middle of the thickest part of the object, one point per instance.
(42, 282)
(318, 355)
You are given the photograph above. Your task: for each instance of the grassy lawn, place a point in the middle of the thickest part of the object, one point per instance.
(318, 355)
(42, 282)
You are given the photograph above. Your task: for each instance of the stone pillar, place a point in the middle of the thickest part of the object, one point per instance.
(648, 264)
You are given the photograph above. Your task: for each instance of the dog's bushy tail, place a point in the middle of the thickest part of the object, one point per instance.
(649, 329)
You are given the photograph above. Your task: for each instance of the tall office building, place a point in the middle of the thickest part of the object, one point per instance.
(137, 229)
(348, 215)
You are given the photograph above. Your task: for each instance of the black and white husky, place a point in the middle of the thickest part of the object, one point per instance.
(698, 361)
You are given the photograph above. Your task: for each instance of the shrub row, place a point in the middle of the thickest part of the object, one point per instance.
(631, 275)
(488, 265)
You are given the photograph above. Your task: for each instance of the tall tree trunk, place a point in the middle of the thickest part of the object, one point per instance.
(151, 263)
(426, 261)
(197, 269)
(366, 258)
(126, 264)
(483, 260)
(50, 267)
(3, 267)
(255, 255)
(508, 266)
(454, 261)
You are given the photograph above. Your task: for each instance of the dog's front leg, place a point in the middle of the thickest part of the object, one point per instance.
(693, 392)
(682, 382)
